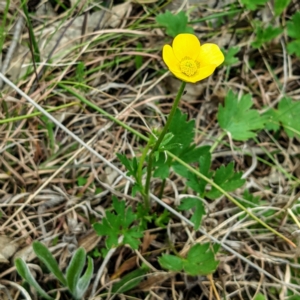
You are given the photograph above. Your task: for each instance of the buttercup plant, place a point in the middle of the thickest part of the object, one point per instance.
(190, 62)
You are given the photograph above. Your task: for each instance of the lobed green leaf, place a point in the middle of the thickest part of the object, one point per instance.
(253, 4)
(200, 260)
(171, 262)
(118, 224)
(293, 26)
(183, 132)
(174, 24)
(294, 47)
(287, 114)
(264, 35)
(188, 203)
(280, 6)
(238, 119)
(227, 179)
(229, 55)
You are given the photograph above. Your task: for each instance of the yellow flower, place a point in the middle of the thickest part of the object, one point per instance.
(189, 61)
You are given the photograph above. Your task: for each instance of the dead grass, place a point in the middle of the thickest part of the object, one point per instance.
(53, 189)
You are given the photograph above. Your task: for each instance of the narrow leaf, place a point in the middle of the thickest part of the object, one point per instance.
(129, 281)
(25, 273)
(84, 281)
(74, 270)
(44, 255)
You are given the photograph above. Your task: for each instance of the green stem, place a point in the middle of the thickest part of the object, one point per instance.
(141, 162)
(18, 118)
(159, 140)
(170, 117)
(217, 142)
(161, 191)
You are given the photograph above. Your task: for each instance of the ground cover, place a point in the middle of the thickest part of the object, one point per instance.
(92, 207)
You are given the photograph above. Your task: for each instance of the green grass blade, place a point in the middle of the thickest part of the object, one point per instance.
(3, 25)
(35, 114)
(36, 51)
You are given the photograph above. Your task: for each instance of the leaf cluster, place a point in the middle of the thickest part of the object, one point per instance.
(174, 24)
(279, 5)
(76, 284)
(225, 177)
(119, 223)
(264, 35)
(200, 260)
(131, 166)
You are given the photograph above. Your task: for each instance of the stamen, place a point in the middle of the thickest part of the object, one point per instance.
(188, 66)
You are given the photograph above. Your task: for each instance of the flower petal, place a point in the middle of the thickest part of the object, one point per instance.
(186, 45)
(170, 59)
(204, 72)
(201, 74)
(210, 54)
(183, 77)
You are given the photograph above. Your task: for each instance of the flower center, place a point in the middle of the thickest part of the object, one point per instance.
(188, 66)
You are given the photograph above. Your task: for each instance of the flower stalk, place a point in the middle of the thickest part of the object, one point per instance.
(158, 142)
